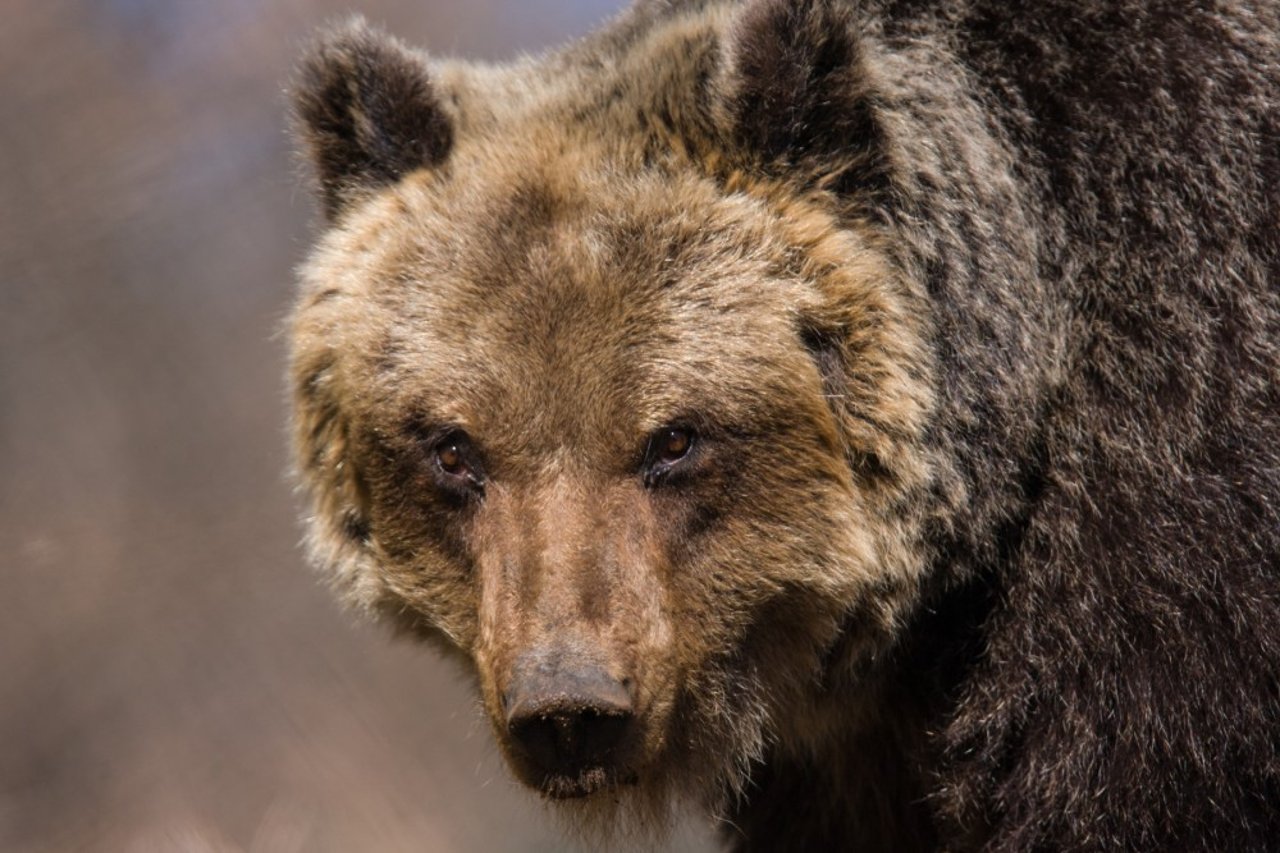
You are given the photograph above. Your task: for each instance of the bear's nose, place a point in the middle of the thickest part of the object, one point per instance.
(568, 719)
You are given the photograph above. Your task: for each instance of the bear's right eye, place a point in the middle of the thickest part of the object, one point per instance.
(450, 458)
(456, 466)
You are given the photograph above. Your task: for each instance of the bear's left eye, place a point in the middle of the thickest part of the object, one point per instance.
(667, 448)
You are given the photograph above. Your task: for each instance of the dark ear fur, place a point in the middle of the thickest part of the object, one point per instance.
(366, 113)
(795, 92)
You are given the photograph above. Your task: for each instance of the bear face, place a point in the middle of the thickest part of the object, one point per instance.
(625, 428)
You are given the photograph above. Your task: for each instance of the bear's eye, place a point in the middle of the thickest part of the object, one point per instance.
(450, 458)
(456, 464)
(673, 444)
(668, 447)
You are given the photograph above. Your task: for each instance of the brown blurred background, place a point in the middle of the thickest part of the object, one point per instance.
(171, 676)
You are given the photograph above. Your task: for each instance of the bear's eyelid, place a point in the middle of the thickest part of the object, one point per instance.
(430, 430)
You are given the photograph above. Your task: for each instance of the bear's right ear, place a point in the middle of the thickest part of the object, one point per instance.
(366, 113)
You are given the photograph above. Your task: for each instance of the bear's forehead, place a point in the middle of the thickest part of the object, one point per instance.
(531, 304)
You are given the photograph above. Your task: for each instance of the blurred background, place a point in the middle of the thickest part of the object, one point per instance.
(171, 676)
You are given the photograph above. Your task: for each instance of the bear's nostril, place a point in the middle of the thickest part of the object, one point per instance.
(566, 741)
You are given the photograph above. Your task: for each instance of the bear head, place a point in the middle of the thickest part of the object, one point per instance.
(603, 384)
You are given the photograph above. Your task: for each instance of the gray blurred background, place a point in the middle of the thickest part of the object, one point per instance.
(171, 676)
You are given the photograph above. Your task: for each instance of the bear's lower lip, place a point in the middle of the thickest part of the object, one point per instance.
(589, 780)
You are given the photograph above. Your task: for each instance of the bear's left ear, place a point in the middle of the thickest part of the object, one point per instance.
(365, 113)
(793, 90)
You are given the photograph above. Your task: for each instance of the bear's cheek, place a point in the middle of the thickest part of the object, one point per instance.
(417, 545)
(760, 583)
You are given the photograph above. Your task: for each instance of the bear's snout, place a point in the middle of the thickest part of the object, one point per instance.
(569, 719)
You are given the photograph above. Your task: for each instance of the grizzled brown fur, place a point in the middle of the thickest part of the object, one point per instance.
(860, 417)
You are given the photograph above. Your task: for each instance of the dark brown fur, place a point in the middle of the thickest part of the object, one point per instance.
(973, 311)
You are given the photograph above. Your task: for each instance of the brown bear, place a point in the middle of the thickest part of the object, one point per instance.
(860, 417)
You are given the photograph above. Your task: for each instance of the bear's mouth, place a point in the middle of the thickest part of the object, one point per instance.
(585, 782)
